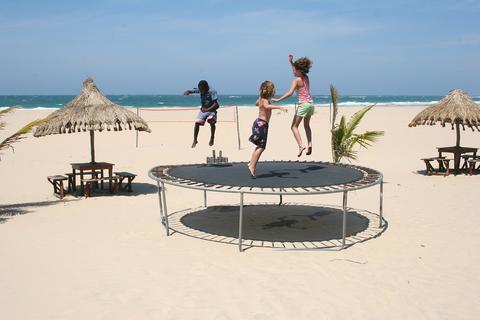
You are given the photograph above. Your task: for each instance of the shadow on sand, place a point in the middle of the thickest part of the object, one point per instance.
(272, 225)
(138, 189)
(11, 210)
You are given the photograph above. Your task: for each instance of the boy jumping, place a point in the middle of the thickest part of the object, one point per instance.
(208, 110)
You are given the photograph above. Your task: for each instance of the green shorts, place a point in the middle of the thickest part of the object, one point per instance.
(305, 109)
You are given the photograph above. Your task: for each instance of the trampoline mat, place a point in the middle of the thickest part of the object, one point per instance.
(269, 174)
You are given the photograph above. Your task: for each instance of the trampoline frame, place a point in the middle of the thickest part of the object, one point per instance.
(370, 178)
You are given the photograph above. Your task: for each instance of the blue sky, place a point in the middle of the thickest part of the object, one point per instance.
(160, 47)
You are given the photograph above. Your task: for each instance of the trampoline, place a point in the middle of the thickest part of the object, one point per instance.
(273, 178)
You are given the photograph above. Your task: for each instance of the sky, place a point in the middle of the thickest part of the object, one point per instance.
(396, 47)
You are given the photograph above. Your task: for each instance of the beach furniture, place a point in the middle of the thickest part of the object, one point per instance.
(471, 163)
(458, 152)
(91, 183)
(458, 110)
(57, 182)
(90, 111)
(443, 165)
(122, 176)
(98, 172)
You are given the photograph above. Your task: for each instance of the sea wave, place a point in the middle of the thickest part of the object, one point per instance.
(358, 97)
(234, 97)
(39, 108)
(386, 103)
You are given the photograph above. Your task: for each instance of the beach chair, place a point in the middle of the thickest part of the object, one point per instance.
(471, 165)
(57, 182)
(443, 165)
(122, 176)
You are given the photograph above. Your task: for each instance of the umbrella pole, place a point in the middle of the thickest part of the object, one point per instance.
(92, 146)
(457, 125)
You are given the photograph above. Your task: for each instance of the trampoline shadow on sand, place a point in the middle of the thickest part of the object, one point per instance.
(285, 225)
(289, 226)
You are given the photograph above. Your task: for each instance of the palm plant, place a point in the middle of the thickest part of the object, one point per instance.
(343, 137)
(20, 134)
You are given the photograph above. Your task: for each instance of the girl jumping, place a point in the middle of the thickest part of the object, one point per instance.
(305, 110)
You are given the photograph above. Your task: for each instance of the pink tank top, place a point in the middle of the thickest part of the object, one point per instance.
(304, 92)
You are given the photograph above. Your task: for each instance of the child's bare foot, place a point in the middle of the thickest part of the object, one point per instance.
(194, 144)
(300, 150)
(211, 141)
(252, 171)
(309, 150)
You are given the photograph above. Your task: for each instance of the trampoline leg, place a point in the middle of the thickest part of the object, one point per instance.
(160, 204)
(381, 204)
(205, 198)
(344, 228)
(240, 223)
(281, 200)
(165, 212)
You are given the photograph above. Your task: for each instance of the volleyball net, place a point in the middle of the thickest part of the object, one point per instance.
(226, 114)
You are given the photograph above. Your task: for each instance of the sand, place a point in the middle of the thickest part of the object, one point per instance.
(108, 257)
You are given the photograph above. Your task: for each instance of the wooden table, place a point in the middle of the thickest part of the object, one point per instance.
(457, 154)
(93, 167)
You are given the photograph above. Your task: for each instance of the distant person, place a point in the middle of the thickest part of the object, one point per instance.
(260, 125)
(208, 110)
(305, 109)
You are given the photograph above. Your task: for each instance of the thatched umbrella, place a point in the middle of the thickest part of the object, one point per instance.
(456, 108)
(90, 111)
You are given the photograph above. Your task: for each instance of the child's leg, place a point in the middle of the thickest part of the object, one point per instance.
(252, 165)
(212, 133)
(308, 132)
(295, 123)
(195, 134)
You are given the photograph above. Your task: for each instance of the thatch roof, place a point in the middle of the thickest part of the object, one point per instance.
(90, 110)
(455, 108)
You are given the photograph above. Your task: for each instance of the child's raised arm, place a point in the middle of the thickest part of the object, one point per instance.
(188, 92)
(290, 92)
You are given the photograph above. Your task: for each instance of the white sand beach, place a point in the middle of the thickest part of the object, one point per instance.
(108, 256)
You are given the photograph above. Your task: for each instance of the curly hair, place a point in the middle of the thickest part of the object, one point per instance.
(267, 89)
(303, 65)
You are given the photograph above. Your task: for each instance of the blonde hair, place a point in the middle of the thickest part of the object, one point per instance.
(267, 89)
(303, 65)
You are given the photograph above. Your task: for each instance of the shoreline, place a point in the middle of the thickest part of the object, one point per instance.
(347, 105)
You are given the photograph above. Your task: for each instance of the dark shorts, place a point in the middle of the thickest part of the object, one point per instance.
(202, 117)
(259, 133)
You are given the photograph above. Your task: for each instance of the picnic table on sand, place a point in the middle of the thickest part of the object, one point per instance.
(457, 152)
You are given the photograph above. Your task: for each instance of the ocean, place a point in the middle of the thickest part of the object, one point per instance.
(165, 101)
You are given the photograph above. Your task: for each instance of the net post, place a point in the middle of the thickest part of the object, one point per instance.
(136, 133)
(238, 126)
(330, 112)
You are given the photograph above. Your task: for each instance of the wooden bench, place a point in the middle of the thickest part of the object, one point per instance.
(125, 175)
(471, 165)
(71, 186)
(443, 165)
(90, 181)
(467, 157)
(57, 182)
